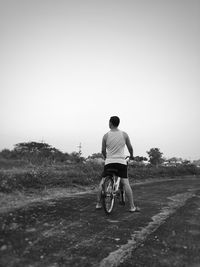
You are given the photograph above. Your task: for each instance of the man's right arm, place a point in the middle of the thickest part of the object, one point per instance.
(103, 148)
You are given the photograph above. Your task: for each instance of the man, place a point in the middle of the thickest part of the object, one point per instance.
(113, 145)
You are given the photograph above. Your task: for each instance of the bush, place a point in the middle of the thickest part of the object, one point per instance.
(151, 171)
(12, 163)
(20, 180)
(52, 176)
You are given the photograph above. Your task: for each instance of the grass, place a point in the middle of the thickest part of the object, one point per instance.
(23, 183)
(32, 177)
(40, 177)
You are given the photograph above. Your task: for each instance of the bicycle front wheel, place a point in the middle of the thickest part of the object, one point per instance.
(108, 198)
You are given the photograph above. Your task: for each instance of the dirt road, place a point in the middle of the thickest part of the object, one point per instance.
(70, 232)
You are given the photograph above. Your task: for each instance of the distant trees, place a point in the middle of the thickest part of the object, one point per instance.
(34, 152)
(174, 161)
(96, 156)
(140, 159)
(34, 147)
(197, 162)
(40, 152)
(155, 156)
(7, 154)
(37, 151)
(76, 157)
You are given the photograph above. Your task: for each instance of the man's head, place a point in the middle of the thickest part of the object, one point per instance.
(114, 121)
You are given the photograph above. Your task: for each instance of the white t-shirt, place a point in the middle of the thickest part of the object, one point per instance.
(115, 145)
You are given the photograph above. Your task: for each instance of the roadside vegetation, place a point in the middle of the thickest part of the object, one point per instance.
(36, 166)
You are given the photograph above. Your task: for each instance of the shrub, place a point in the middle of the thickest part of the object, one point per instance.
(12, 163)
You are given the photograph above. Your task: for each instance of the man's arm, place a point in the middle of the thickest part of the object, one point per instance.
(103, 148)
(128, 144)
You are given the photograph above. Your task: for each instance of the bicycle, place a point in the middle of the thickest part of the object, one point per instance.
(112, 188)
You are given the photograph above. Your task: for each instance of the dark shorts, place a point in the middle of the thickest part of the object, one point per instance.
(121, 169)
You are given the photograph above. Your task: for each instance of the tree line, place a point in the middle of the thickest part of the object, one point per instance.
(37, 152)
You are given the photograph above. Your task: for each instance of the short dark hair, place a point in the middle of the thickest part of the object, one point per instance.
(115, 121)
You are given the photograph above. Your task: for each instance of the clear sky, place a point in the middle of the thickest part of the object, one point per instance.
(67, 66)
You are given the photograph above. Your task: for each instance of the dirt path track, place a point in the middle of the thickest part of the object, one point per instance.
(70, 232)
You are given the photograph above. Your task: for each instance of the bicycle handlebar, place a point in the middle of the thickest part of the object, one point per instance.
(127, 158)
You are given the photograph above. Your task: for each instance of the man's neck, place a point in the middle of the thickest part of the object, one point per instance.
(114, 129)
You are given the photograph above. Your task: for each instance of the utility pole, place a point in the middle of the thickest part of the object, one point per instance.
(79, 149)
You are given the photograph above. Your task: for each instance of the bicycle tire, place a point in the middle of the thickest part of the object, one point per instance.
(108, 197)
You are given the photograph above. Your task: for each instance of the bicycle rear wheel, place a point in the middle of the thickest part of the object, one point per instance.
(108, 198)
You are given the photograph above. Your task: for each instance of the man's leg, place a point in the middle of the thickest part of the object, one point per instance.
(98, 205)
(129, 193)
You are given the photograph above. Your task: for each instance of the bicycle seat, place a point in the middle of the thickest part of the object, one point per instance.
(111, 171)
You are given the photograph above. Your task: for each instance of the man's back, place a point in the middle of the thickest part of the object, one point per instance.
(115, 144)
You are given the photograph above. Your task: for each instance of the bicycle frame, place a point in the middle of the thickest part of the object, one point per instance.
(116, 180)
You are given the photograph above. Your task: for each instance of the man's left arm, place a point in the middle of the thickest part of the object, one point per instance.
(128, 144)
